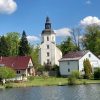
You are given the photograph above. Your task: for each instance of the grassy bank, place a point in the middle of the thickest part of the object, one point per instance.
(51, 81)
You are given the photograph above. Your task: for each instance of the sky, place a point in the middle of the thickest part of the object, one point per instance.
(30, 15)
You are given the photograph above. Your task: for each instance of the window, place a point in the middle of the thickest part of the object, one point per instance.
(47, 38)
(18, 72)
(48, 61)
(68, 70)
(89, 55)
(47, 46)
(68, 63)
(48, 54)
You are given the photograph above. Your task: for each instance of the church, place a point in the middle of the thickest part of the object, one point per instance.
(49, 54)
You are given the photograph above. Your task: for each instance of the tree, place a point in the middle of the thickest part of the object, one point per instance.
(4, 51)
(91, 39)
(97, 73)
(24, 48)
(35, 56)
(67, 46)
(13, 42)
(75, 35)
(6, 72)
(87, 69)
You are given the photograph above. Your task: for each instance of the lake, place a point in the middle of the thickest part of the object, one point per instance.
(78, 92)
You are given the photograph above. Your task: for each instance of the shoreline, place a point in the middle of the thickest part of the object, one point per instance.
(51, 81)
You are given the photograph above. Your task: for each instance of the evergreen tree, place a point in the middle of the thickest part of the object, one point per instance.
(87, 69)
(4, 51)
(24, 48)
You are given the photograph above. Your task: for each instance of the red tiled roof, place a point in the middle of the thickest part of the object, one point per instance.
(18, 62)
(76, 54)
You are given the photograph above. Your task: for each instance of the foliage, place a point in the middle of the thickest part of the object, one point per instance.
(24, 48)
(4, 51)
(87, 69)
(75, 74)
(71, 80)
(67, 46)
(97, 73)
(91, 40)
(35, 56)
(13, 42)
(73, 77)
(6, 72)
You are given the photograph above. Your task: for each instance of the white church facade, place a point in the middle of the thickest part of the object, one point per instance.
(48, 52)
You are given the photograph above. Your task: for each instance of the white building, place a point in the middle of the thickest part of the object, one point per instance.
(48, 52)
(74, 61)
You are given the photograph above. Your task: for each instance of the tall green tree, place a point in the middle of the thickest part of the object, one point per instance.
(4, 51)
(13, 42)
(24, 48)
(67, 46)
(91, 39)
(87, 68)
(35, 56)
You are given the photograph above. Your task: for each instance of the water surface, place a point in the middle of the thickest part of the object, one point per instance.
(78, 92)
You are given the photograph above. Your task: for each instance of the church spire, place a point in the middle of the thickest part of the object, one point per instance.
(48, 23)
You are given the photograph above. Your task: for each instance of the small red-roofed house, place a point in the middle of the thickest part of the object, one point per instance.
(23, 65)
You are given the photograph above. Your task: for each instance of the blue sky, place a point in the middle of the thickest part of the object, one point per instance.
(29, 15)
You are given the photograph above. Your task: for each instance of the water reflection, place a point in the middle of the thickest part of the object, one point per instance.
(79, 92)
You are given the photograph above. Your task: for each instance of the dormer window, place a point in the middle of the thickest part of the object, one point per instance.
(89, 55)
(47, 38)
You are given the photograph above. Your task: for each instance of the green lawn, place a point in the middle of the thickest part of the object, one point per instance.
(50, 81)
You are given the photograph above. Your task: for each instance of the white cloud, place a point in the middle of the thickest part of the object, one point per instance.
(7, 6)
(88, 2)
(90, 20)
(32, 38)
(63, 32)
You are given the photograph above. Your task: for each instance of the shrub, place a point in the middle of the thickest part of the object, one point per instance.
(75, 74)
(97, 73)
(6, 72)
(73, 77)
(87, 69)
(30, 78)
(71, 80)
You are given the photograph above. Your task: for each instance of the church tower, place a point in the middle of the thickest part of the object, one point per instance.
(49, 53)
(48, 34)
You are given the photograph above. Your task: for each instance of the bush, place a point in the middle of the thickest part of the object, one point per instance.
(75, 74)
(30, 78)
(71, 80)
(87, 69)
(97, 73)
(6, 72)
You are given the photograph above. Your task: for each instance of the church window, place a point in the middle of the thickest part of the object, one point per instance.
(47, 38)
(48, 54)
(47, 46)
(48, 61)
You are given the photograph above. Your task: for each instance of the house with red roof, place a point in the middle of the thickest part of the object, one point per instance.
(74, 61)
(23, 65)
